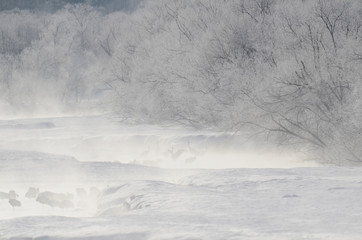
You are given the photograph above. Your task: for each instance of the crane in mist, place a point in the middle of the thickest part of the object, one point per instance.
(175, 154)
(14, 203)
(12, 199)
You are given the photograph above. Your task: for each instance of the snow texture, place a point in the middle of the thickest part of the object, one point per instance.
(300, 203)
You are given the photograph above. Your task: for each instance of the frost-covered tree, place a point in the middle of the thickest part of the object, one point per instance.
(288, 71)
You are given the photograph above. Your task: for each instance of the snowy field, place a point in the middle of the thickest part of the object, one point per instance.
(92, 178)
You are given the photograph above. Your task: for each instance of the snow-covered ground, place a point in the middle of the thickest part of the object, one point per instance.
(98, 179)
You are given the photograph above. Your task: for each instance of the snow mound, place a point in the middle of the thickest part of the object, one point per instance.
(39, 125)
(37, 167)
(117, 200)
(147, 195)
(31, 157)
(34, 166)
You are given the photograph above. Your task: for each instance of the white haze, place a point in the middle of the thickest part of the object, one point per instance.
(102, 138)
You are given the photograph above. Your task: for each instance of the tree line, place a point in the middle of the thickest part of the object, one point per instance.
(286, 71)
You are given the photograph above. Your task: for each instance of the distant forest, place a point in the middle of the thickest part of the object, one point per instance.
(54, 5)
